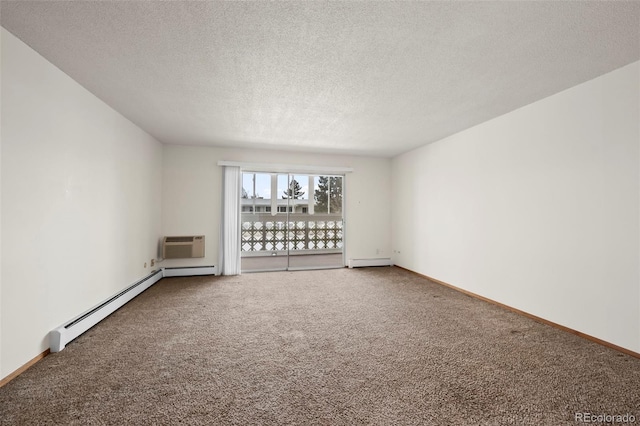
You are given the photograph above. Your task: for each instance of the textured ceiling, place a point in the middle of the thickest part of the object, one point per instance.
(360, 78)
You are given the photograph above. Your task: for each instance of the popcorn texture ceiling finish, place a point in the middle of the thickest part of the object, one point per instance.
(358, 78)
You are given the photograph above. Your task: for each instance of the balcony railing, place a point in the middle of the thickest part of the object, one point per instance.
(315, 233)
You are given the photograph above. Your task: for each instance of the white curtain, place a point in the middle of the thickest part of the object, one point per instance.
(230, 224)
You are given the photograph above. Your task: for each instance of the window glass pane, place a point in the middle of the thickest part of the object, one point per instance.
(299, 187)
(335, 195)
(247, 186)
(263, 186)
(328, 194)
(321, 194)
(256, 192)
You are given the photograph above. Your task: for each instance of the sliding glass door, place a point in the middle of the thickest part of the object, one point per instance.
(291, 222)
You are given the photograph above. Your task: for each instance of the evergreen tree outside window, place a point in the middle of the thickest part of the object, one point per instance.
(294, 192)
(328, 195)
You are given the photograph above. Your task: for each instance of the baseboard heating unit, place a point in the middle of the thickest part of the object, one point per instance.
(362, 263)
(59, 337)
(190, 271)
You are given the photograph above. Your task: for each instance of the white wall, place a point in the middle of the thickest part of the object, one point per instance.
(538, 209)
(81, 199)
(192, 181)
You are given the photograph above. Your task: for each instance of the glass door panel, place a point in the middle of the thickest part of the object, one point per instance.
(316, 223)
(291, 221)
(263, 234)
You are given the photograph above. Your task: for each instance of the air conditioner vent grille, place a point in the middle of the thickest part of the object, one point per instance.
(178, 252)
(179, 239)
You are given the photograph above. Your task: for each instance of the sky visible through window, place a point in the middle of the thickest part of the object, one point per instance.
(263, 185)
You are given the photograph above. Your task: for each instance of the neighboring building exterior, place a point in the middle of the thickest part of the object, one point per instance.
(262, 205)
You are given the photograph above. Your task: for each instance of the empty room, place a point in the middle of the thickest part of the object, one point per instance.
(336, 213)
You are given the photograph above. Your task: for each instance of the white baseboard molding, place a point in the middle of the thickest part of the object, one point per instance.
(189, 271)
(61, 336)
(362, 263)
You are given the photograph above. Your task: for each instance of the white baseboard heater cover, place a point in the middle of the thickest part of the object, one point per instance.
(190, 271)
(362, 263)
(61, 336)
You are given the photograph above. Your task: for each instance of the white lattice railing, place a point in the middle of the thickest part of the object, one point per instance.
(263, 232)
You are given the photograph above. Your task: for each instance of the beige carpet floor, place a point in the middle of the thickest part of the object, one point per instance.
(334, 347)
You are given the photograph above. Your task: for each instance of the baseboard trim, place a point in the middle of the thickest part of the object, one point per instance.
(189, 271)
(528, 315)
(24, 368)
(364, 263)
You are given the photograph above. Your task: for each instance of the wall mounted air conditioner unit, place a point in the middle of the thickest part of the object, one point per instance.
(183, 247)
